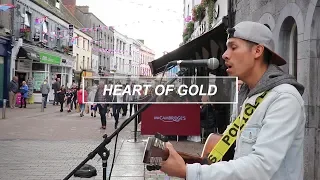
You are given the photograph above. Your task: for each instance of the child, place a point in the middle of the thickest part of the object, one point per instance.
(61, 97)
(69, 97)
(93, 110)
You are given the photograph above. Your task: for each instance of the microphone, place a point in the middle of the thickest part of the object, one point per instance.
(211, 63)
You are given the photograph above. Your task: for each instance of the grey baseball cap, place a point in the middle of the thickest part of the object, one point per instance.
(257, 33)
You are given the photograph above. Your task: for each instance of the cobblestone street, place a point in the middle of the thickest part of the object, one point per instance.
(48, 145)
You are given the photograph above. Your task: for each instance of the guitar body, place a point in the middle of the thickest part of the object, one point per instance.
(156, 152)
(211, 141)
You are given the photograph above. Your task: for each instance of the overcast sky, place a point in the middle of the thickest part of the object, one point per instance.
(159, 23)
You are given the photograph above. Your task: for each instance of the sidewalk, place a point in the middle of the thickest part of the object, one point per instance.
(31, 111)
(54, 143)
(129, 163)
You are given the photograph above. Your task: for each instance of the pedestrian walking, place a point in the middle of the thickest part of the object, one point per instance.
(102, 104)
(82, 97)
(93, 105)
(61, 97)
(45, 89)
(56, 87)
(117, 106)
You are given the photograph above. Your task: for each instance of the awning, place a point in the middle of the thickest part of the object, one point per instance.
(28, 53)
(210, 44)
(35, 53)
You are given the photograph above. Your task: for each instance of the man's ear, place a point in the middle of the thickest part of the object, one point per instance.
(259, 49)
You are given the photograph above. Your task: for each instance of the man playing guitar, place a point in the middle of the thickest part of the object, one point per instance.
(270, 144)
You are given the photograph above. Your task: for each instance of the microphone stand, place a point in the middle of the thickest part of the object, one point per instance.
(102, 150)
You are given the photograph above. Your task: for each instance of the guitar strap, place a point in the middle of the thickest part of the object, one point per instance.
(230, 134)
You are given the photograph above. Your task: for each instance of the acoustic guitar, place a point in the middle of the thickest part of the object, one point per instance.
(155, 151)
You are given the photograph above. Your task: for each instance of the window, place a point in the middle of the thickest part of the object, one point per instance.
(58, 38)
(123, 64)
(58, 4)
(77, 40)
(88, 63)
(105, 40)
(77, 62)
(130, 49)
(26, 26)
(84, 43)
(108, 42)
(88, 45)
(83, 60)
(38, 67)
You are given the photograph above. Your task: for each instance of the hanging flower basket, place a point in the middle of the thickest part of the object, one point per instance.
(198, 12)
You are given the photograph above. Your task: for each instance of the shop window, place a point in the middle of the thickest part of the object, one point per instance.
(38, 67)
(39, 77)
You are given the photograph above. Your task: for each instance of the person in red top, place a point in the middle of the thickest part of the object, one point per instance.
(81, 100)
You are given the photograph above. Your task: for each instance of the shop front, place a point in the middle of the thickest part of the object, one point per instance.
(5, 50)
(212, 43)
(37, 64)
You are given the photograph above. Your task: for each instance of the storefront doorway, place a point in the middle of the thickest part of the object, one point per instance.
(22, 76)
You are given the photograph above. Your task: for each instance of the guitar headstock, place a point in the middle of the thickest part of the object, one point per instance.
(155, 151)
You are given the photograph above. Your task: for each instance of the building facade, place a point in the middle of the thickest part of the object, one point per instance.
(136, 45)
(101, 34)
(82, 51)
(122, 57)
(295, 27)
(195, 24)
(5, 50)
(41, 31)
(146, 55)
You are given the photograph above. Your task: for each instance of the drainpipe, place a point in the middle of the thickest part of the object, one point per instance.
(230, 14)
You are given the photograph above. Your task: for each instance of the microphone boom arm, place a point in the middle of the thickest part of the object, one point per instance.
(107, 139)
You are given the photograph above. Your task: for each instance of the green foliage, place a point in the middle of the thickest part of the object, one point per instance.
(188, 31)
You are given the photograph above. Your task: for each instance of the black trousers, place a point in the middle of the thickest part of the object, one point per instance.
(23, 101)
(56, 98)
(103, 111)
(61, 105)
(125, 109)
(116, 110)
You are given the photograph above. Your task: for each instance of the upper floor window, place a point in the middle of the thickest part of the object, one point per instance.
(58, 4)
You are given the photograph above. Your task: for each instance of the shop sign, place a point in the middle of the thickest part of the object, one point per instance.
(49, 59)
(24, 65)
(66, 62)
(87, 74)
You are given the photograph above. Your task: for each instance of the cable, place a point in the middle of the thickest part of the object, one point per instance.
(114, 155)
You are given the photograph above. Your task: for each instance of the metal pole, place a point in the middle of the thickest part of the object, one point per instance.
(42, 104)
(4, 106)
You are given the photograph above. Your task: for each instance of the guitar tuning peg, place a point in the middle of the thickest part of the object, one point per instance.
(151, 167)
(161, 137)
(157, 167)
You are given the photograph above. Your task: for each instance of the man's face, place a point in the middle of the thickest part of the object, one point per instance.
(239, 57)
